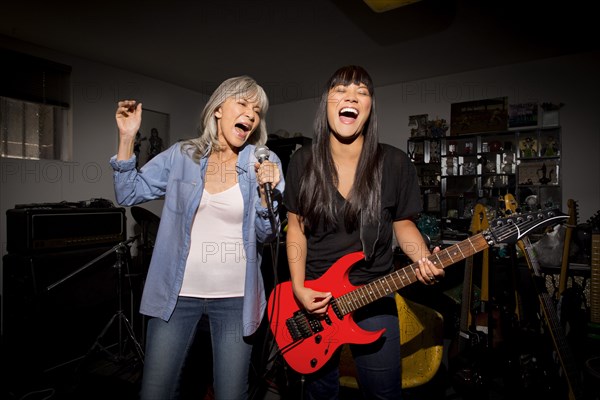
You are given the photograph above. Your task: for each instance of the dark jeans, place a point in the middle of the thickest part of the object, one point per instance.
(168, 344)
(378, 364)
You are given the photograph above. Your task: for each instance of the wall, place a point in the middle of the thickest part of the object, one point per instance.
(572, 80)
(96, 89)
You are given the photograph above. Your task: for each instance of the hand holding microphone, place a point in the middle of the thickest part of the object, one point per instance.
(267, 173)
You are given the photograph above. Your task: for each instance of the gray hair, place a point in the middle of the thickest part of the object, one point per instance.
(240, 87)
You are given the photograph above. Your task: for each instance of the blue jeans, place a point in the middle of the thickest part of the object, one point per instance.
(168, 344)
(377, 364)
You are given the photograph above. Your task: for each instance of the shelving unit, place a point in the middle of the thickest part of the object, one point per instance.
(425, 153)
(456, 172)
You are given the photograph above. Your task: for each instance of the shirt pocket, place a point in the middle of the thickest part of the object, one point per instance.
(179, 196)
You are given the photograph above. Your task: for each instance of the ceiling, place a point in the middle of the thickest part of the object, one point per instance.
(291, 47)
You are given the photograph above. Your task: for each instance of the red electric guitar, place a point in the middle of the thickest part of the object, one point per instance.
(307, 341)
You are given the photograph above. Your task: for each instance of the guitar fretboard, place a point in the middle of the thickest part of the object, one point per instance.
(403, 277)
(595, 280)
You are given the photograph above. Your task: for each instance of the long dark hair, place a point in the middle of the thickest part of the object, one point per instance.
(318, 185)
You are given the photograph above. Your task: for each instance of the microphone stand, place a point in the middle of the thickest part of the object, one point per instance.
(121, 249)
(272, 219)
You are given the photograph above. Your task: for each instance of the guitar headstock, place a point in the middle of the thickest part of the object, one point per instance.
(480, 220)
(573, 212)
(594, 222)
(517, 226)
(510, 203)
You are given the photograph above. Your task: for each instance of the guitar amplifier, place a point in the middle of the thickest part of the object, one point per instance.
(37, 230)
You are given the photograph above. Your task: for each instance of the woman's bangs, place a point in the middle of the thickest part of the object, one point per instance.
(352, 75)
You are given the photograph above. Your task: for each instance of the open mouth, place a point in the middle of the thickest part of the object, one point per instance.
(243, 128)
(348, 114)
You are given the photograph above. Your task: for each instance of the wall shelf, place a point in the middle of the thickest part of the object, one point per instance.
(457, 172)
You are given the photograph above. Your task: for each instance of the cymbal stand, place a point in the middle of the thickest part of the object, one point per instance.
(121, 250)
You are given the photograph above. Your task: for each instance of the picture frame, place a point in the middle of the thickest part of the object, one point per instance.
(477, 116)
(419, 125)
(523, 114)
(153, 136)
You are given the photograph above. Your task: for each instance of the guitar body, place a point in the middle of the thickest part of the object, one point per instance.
(308, 355)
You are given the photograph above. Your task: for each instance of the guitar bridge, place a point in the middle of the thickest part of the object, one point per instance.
(302, 325)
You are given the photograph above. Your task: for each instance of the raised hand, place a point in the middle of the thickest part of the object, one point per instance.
(129, 120)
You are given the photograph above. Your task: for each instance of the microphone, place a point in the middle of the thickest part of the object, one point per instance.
(262, 153)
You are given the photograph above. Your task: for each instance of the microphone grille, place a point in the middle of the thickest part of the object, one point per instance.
(261, 152)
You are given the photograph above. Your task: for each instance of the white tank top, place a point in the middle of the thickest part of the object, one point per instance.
(216, 264)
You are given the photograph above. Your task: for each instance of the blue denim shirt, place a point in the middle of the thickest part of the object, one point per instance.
(174, 175)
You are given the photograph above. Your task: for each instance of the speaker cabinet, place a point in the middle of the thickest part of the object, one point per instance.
(47, 328)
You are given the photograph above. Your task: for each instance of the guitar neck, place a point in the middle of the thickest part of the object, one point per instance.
(465, 307)
(403, 277)
(566, 358)
(571, 223)
(595, 280)
(505, 230)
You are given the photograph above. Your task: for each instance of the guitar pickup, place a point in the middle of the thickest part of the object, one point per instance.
(336, 309)
(302, 326)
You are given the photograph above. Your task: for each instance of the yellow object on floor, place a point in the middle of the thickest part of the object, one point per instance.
(421, 341)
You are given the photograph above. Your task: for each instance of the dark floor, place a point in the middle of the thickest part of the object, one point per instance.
(61, 358)
(105, 374)
(105, 379)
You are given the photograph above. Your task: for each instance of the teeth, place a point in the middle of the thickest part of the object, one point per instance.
(349, 110)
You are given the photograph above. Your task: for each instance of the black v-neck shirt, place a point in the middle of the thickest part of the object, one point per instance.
(400, 200)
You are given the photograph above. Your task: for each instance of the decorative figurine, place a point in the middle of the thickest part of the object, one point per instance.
(544, 180)
(528, 147)
(469, 168)
(509, 161)
(551, 148)
(450, 166)
(420, 123)
(438, 128)
(411, 150)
